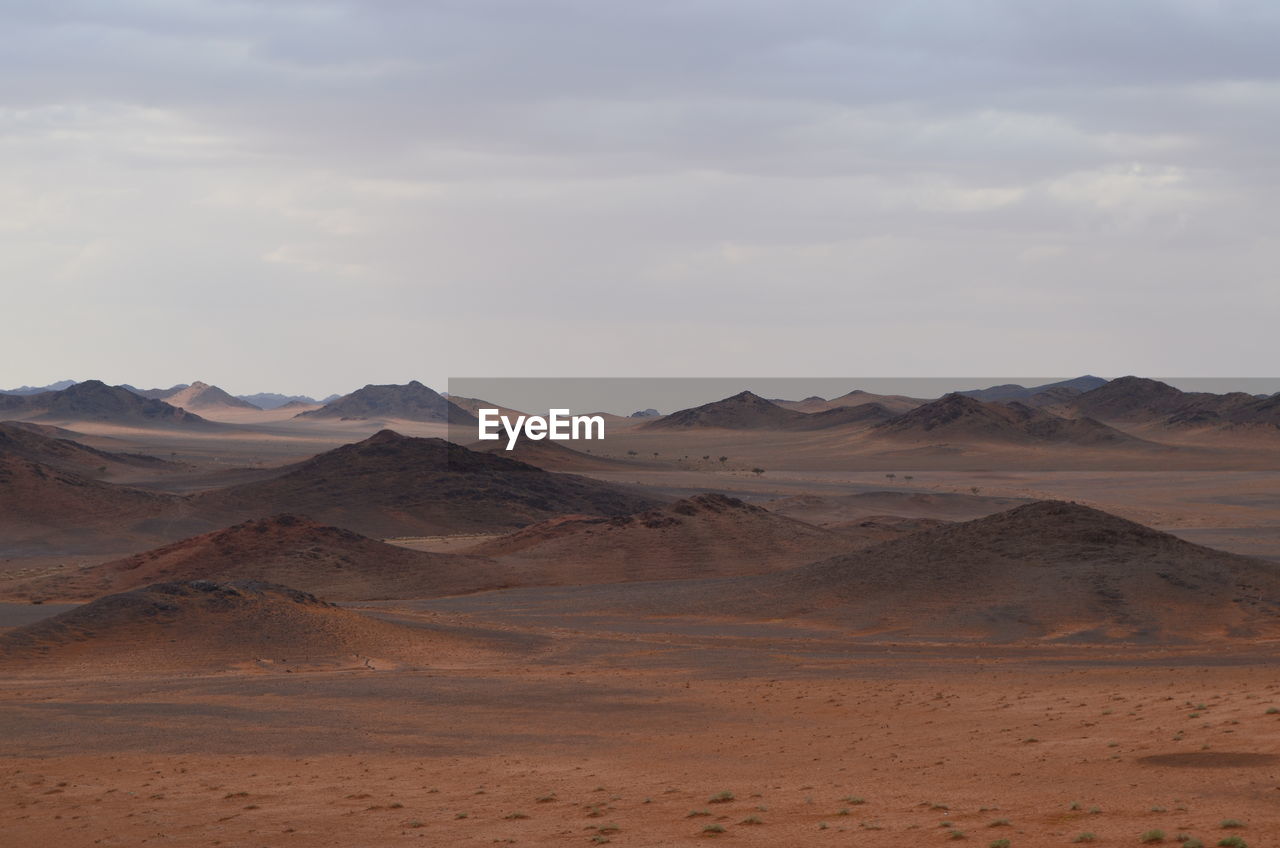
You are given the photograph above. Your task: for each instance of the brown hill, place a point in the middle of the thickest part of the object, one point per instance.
(896, 404)
(1036, 395)
(202, 396)
(813, 403)
(326, 561)
(44, 509)
(1230, 414)
(95, 401)
(748, 411)
(394, 485)
(841, 416)
(24, 442)
(957, 418)
(1140, 400)
(743, 411)
(1046, 570)
(410, 402)
(702, 536)
(203, 624)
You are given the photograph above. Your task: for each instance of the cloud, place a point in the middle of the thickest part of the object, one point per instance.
(571, 169)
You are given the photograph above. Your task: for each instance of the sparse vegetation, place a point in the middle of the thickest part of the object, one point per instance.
(1086, 836)
(1228, 824)
(713, 829)
(721, 797)
(1152, 836)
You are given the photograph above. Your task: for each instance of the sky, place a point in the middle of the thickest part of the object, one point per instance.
(307, 196)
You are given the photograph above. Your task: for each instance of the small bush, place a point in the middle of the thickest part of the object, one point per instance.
(998, 843)
(720, 798)
(1087, 836)
(1232, 842)
(1229, 824)
(1154, 835)
(695, 813)
(516, 815)
(1000, 823)
(713, 829)
(751, 820)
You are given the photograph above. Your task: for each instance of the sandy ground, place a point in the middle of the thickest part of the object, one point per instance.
(631, 733)
(625, 730)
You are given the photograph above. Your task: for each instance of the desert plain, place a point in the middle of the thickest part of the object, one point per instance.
(1036, 620)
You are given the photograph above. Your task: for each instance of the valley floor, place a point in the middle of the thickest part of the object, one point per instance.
(626, 731)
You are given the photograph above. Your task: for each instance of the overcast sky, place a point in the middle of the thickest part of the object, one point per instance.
(311, 196)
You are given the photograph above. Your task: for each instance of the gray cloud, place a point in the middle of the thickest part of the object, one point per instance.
(311, 195)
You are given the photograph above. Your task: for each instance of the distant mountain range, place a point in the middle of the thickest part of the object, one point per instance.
(1037, 395)
(35, 390)
(272, 400)
(95, 401)
(1084, 411)
(1125, 401)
